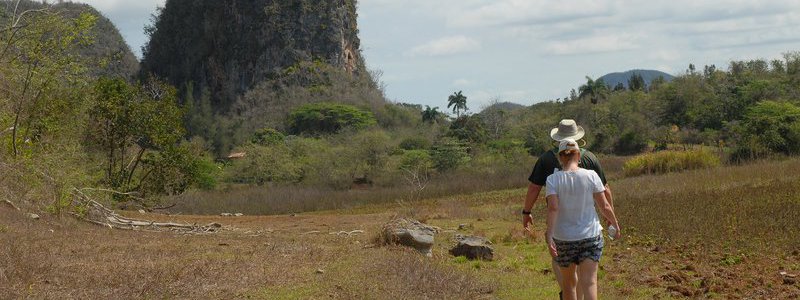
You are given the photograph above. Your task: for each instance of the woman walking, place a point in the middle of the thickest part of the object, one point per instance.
(574, 233)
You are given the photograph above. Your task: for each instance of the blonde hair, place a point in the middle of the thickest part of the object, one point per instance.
(566, 156)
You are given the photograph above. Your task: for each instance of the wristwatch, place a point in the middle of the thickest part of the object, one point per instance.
(524, 212)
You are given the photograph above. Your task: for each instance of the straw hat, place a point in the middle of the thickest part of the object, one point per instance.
(567, 129)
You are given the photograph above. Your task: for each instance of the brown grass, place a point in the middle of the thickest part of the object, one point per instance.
(722, 233)
(295, 199)
(754, 205)
(264, 257)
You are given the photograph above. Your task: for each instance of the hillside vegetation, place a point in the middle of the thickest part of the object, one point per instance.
(106, 55)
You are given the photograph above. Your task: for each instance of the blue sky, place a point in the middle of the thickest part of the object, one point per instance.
(526, 51)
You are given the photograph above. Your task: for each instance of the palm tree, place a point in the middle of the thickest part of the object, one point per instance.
(594, 89)
(430, 115)
(458, 101)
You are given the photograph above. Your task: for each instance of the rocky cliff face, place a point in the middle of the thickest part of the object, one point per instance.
(227, 47)
(108, 55)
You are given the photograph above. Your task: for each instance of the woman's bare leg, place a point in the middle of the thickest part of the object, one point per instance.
(557, 271)
(569, 282)
(587, 280)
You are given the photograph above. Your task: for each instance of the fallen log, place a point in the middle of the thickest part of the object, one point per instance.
(9, 203)
(96, 213)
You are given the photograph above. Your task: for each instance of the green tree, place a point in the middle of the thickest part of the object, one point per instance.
(468, 129)
(459, 103)
(593, 89)
(449, 154)
(268, 136)
(774, 126)
(431, 115)
(37, 56)
(637, 83)
(327, 118)
(264, 164)
(139, 129)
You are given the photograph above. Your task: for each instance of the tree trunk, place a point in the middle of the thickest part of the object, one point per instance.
(14, 134)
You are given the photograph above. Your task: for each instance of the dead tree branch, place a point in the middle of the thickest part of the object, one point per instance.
(98, 214)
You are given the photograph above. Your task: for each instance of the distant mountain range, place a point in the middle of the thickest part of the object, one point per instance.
(612, 79)
(506, 106)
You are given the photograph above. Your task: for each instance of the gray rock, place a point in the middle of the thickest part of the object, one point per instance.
(473, 247)
(238, 214)
(32, 216)
(411, 233)
(142, 211)
(226, 214)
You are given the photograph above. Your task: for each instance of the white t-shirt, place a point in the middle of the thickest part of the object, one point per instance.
(577, 217)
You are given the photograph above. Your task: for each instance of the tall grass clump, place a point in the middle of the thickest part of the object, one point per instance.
(670, 161)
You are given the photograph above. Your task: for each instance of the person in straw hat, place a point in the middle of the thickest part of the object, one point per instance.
(548, 163)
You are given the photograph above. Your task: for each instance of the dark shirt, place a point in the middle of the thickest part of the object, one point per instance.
(548, 162)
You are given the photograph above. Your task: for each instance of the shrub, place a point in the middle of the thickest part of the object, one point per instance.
(415, 143)
(629, 143)
(769, 127)
(268, 136)
(670, 161)
(537, 144)
(449, 154)
(469, 129)
(264, 164)
(328, 118)
(416, 160)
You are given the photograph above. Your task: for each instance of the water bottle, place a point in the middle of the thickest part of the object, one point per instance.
(612, 232)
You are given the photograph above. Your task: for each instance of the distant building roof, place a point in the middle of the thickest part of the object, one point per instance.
(237, 155)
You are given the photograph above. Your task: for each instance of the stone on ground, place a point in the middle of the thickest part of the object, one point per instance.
(411, 233)
(473, 247)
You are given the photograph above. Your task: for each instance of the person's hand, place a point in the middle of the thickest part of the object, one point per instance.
(527, 223)
(619, 233)
(551, 246)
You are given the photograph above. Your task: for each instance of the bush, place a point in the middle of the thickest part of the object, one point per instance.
(263, 164)
(415, 143)
(449, 154)
(468, 129)
(268, 136)
(670, 161)
(328, 118)
(629, 143)
(769, 127)
(416, 160)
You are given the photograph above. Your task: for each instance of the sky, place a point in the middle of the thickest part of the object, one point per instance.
(528, 51)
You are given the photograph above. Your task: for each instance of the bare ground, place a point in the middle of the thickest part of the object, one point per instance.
(309, 255)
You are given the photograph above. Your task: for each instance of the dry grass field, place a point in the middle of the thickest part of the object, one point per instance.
(723, 233)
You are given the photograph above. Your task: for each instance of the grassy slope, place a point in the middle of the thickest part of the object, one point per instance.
(721, 233)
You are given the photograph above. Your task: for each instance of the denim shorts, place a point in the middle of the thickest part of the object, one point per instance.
(574, 252)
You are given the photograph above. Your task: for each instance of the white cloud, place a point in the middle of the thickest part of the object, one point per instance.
(669, 55)
(665, 68)
(461, 82)
(446, 46)
(593, 44)
(504, 12)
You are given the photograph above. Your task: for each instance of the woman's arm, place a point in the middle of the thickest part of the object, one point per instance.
(607, 211)
(552, 214)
